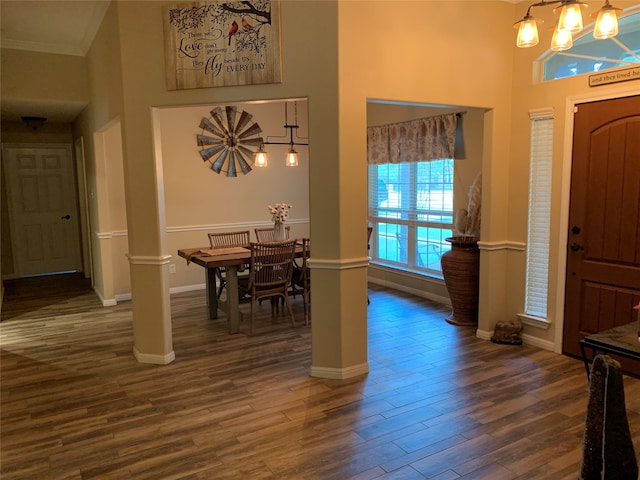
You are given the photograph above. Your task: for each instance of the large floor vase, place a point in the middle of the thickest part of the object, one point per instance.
(461, 271)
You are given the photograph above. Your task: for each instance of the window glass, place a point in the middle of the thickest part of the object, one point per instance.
(411, 211)
(589, 55)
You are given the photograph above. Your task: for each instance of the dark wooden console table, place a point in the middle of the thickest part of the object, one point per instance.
(621, 341)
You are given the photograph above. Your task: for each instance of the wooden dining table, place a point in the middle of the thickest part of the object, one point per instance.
(232, 259)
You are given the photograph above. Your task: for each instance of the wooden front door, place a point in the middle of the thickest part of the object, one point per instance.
(42, 200)
(603, 248)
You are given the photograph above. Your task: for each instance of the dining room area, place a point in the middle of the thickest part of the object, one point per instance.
(241, 269)
(215, 181)
(200, 200)
(230, 200)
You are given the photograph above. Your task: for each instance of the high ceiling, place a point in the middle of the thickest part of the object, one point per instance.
(52, 26)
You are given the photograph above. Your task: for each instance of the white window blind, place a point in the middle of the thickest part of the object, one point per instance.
(537, 281)
(411, 212)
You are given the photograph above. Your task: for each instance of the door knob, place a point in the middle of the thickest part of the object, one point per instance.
(576, 247)
(66, 217)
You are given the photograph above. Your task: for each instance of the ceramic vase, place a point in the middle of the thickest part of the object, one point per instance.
(461, 271)
(279, 234)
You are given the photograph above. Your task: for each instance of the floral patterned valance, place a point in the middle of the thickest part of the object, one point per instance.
(419, 140)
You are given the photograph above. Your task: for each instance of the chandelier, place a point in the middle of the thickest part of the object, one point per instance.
(291, 158)
(569, 23)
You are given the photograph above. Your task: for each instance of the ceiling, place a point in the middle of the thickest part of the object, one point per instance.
(52, 26)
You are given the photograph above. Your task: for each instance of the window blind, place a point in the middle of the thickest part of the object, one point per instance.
(539, 221)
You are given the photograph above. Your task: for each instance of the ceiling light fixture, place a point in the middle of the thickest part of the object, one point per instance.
(291, 159)
(570, 22)
(34, 123)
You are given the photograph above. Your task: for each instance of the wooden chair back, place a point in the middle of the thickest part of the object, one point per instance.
(225, 240)
(270, 273)
(271, 264)
(230, 239)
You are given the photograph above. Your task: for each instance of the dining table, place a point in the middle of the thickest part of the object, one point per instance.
(232, 259)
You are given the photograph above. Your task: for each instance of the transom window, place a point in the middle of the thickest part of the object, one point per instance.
(589, 55)
(411, 211)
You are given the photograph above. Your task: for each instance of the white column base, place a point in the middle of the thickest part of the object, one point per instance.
(154, 359)
(340, 373)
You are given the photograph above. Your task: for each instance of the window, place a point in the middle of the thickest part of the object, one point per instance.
(411, 211)
(536, 292)
(589, 55)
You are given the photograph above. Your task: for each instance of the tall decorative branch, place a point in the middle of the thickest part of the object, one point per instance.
(468, 220)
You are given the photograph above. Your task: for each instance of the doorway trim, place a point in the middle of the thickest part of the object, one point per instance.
(567, 159)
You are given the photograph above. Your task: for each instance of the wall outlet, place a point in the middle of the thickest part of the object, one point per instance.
(172, 268)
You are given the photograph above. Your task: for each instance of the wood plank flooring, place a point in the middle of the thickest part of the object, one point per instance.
(438, 403)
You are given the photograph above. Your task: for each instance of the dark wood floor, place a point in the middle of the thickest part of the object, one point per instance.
(438, 403)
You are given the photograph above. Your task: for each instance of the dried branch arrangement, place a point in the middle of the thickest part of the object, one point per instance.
(467, 222)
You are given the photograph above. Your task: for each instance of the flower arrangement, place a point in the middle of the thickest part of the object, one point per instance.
(279, 212)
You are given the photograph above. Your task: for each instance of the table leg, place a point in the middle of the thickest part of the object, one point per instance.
(212, 298)
(233, 310)
(585, 360)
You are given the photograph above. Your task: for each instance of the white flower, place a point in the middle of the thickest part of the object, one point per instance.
(279, 212)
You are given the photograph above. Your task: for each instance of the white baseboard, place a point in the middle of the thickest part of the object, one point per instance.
(526, 340)
(111, 302)
(340, 373)
(484, 334)
(188, 288)
(123, 297)
(538, 342)
(412, 291)
(154, 359)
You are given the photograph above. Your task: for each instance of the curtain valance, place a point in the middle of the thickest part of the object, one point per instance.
(420, 140)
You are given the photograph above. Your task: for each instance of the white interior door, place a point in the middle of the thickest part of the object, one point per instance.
(42, 203)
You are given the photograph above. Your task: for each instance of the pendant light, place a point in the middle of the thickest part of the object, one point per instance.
(527, 32)
(606, 22)
(569, 23)
(260, 157)
(561, 40)
(570, 16)
(291, 158)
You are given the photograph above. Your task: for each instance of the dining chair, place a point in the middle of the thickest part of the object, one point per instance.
(266, 234)
(301, 278)
(270, 273)
(225, 240)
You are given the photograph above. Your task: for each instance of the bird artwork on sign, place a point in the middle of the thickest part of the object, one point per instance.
(233, 30)
(246, 25)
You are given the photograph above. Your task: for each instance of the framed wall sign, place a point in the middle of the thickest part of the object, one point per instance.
(222, 43)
